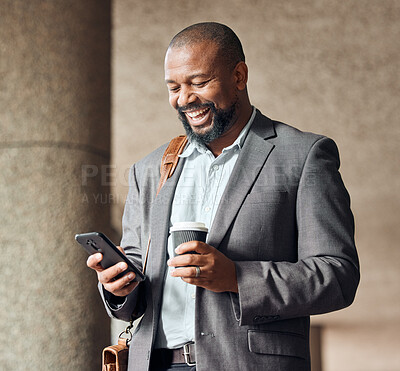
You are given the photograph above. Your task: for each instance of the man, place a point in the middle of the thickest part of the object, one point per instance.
(281, 241)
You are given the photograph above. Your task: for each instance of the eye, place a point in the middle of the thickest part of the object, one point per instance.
(201, 84)
(173, 89)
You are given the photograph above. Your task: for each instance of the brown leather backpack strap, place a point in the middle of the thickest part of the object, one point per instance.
(170, 159)
(169, 162)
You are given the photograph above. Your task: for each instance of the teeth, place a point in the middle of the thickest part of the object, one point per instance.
(194, 114)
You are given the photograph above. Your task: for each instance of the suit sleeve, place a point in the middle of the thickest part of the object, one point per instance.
(123, 308)
(326, 274)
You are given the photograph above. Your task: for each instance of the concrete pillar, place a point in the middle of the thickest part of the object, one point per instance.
(54, 137)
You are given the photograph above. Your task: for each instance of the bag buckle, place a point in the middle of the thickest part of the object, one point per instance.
(186, 354)
(128, 332)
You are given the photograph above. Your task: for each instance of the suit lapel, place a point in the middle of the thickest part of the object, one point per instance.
(160, 216)
(252, 158)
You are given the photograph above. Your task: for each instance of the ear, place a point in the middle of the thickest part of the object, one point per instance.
(241, 75)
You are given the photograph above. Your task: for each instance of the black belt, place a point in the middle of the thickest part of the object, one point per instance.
(165, 357)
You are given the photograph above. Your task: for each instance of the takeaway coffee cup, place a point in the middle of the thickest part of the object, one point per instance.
(187, 231)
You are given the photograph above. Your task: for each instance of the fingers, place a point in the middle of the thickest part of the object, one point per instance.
(187, 272)
(93, 262)
(122, 286)
(197, 246)
(109, 274)
(190, 265)
(217, 272)
(192, 254)
(187, 259)
(107, 277)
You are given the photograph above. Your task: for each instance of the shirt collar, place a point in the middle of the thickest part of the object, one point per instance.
(192, 146)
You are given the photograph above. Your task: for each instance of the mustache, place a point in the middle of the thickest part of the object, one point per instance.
(195, 106)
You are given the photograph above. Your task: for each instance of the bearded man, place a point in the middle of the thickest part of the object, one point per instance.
(281, 234)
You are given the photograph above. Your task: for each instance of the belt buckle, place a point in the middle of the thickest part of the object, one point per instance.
(186, 354)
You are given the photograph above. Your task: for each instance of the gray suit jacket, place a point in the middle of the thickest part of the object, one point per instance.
(285, 220)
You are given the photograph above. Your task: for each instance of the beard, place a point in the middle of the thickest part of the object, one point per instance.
(222, 120)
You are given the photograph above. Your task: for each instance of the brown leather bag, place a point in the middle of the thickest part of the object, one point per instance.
(115, 357)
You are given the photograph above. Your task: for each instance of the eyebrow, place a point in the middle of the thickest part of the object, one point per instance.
(191, 77)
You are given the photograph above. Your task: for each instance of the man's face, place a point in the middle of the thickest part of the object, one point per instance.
(202, 89)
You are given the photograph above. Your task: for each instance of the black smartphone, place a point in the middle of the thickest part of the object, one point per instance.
(95, 242)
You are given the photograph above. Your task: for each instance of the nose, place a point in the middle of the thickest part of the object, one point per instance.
(186, 96)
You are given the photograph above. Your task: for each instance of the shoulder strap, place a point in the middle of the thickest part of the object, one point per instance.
(169, 162)
(170, 159)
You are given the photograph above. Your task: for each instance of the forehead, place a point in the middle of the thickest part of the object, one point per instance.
(191, 60)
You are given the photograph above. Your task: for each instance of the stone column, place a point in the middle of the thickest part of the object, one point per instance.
(54, 153)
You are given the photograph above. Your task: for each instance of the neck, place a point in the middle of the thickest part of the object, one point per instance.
(226, 139)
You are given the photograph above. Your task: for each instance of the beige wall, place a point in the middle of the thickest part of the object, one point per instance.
(329, 67)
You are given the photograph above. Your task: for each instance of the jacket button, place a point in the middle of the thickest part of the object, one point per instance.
(257, 319)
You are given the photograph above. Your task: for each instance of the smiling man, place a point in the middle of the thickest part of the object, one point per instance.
(281, 234)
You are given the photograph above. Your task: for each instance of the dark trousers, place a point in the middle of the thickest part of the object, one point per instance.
(162, 361)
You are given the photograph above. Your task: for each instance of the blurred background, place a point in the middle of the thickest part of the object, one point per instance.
(82, 97)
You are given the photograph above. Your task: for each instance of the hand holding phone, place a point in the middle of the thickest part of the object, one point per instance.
(117, 280)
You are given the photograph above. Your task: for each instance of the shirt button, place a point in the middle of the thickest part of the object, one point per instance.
(216, 167)
(207, 209)
(193, 296)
